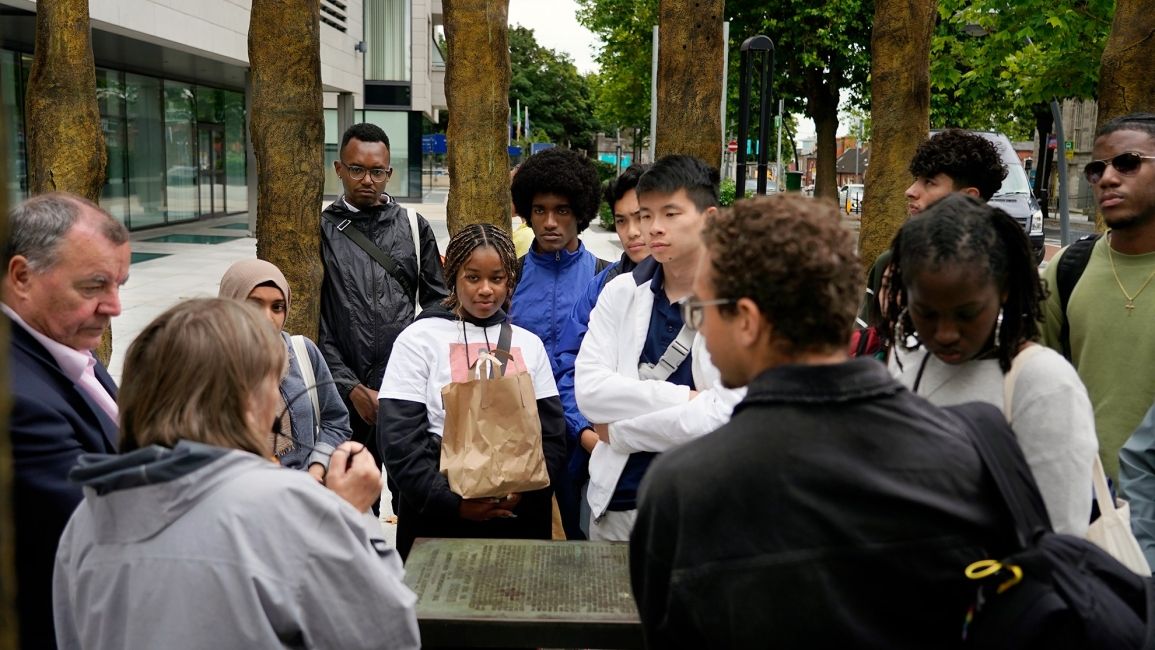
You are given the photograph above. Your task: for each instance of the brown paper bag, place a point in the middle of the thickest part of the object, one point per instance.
(491, 443)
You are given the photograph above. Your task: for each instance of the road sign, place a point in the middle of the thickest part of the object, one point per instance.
(1069, 145)
(433, 143)
(732, 146)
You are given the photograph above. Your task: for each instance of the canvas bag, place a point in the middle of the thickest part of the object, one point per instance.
(1112, 530)
(491, 444)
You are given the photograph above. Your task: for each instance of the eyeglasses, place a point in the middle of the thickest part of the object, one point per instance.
(691, 308)
(357, 172)
(1125, 163)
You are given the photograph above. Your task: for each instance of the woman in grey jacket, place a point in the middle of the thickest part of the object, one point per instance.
(262, 284)
(192, 538)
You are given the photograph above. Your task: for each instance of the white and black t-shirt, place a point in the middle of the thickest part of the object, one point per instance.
(433, 352)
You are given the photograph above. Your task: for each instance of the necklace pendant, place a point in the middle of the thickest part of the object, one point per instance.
(1130, 306)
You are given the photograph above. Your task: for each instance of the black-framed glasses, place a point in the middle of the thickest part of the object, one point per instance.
(357, 172)
(692, 314)
(1126, 163)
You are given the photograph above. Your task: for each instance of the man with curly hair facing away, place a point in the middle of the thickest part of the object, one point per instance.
(953, 160)
(557, 191)
(789, 524)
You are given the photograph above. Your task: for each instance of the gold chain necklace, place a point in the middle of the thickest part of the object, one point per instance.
(1130, 305)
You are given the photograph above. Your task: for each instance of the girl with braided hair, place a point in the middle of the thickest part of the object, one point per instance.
(435, 350)
(966, 302)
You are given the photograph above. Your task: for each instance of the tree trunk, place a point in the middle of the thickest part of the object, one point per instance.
(899, 114)
(1125, 81)
(288, 142)
(65, 142)
(689, 100)
(823, 110)
(8, 622)
(477, 97)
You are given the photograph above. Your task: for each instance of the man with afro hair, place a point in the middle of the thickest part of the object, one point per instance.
(953, 160)
(557, 192)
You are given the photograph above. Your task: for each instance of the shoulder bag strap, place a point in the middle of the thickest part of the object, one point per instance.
(996, 445)
(1012, 376)
(504, 342)
(673, 357)
(306, 366)
(380, 256)
(416, 247)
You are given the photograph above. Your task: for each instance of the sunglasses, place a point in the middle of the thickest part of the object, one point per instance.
(1126, 163)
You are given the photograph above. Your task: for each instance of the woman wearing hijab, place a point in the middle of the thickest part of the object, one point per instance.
(320, 426)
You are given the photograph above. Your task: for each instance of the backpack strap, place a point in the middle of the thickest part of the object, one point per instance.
(1000, 453)
(309, 377)
(601, 265)
(417, 249)
(1072, 263)
(520, 269)
(378, 255)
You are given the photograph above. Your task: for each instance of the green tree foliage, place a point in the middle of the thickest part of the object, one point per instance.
(822, 49)
(622, 89)
(560, 100)
(996, 64)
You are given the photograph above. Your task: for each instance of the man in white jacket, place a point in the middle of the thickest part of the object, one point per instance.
(641, 375)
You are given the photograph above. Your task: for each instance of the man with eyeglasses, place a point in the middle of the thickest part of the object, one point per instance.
(836, 509)
(642, 375)
(372, 287)
(1108, 316)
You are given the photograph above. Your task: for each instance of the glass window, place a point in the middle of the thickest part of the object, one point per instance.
(387, 40)
(332, 141)
(12, 100)
(237, 190)
(396, 126)
(210, 105)
(145, 152)
(110, 96)
(180, 151)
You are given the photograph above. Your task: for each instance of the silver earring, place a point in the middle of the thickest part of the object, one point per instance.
(998, 326)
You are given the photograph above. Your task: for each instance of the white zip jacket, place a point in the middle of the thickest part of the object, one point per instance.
(643, 414)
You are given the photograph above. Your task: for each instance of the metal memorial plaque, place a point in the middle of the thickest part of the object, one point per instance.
(490, 593)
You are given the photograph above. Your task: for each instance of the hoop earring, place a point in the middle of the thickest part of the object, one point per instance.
(900, 335)
(998, 326)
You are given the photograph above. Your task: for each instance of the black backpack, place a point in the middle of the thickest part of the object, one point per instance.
(1057, 591)
(1072, 263)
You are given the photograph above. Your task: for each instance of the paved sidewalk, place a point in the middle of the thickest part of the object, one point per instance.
(187, 261)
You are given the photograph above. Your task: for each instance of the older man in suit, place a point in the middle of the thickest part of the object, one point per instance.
(66, 260)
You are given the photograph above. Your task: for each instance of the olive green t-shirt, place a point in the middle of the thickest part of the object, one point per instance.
(1113, 348)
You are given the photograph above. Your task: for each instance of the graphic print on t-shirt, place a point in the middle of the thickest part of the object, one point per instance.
(459, 366)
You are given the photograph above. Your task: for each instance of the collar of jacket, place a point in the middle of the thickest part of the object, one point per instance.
(559, 259)
(340, 206)
(839, 382)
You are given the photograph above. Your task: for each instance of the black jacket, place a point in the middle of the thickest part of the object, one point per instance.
(835, 510)
(363, 308)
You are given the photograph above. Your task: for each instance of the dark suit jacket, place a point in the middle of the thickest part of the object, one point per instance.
(53, 422)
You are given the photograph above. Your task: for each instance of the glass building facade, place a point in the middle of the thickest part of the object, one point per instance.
(403, 128)
(176, 151)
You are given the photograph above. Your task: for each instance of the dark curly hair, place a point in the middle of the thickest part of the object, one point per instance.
(365, 132)
(562, 172)
(791, 255)
(1144, 122)
(960, 229)
(462, 245)
(678, 172)
(968, 158)
(617, 188)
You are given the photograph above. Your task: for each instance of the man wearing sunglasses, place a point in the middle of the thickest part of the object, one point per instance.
(377, 276)
(1111, 307)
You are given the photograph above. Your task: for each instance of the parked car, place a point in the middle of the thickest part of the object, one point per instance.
(850, 198)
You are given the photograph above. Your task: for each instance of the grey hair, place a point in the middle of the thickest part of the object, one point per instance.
(37, 225)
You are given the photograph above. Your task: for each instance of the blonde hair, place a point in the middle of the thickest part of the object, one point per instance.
(191, 373)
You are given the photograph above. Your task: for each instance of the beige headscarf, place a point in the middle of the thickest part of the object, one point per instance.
(236, 284)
